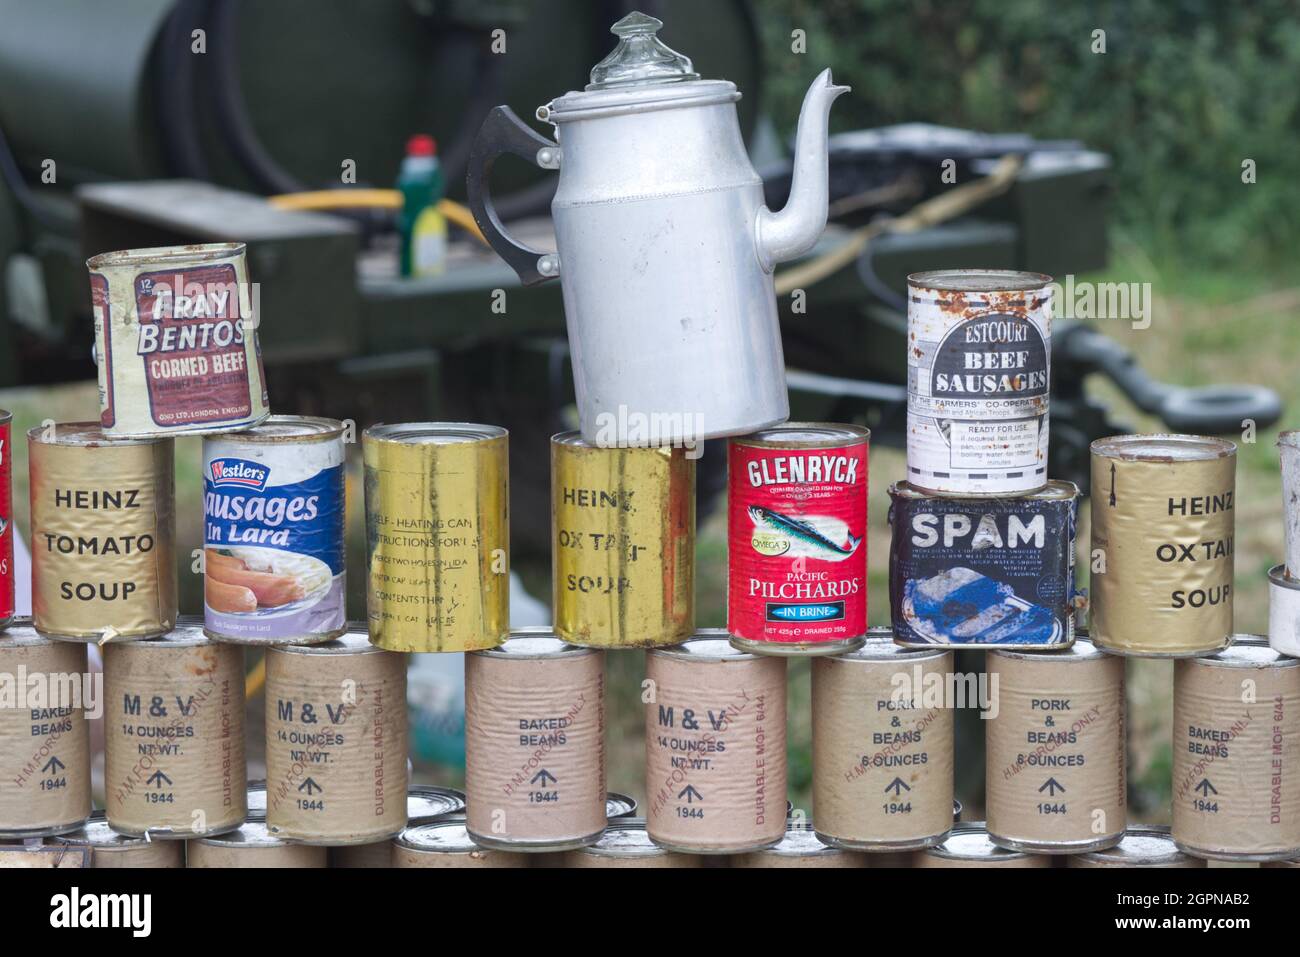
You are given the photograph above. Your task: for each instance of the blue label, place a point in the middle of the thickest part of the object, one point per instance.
(830, 611)
(242, 508)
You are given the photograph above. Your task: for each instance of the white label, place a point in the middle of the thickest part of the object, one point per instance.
(995, 446)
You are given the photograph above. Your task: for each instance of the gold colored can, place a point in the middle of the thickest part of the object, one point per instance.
(252, 845)
(623, 544)
(109, 849)
(1162, 544)
(437, 536)
(103, 533)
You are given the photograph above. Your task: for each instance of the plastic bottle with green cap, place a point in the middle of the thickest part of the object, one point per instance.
(423, 227)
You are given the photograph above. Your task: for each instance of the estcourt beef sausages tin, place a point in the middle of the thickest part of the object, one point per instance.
(273, 509)
(968, 572)
(797, 539)
(6, 521)
(176, 341)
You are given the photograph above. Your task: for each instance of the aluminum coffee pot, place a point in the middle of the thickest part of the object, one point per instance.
(665, 249)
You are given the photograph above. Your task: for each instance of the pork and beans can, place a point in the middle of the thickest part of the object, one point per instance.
(979, 348)
(176, 341)
(103, 533)
(437, 536)
(273, 516)
(797, 539)
(6, 520)
(971, 573)
(1163, 518)
(623, 543)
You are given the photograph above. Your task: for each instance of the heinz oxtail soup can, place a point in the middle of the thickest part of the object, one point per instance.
(176, 341)
(797, 539)
(6, 521)
(967, 572)
(273, 511)
(979, 345)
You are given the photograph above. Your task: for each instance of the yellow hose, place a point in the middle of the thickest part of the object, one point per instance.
(324, 199)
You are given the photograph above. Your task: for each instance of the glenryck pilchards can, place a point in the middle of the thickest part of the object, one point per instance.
(979, 348)
(968, 572)
(1054, 755)
(969, 846)
(1162, 544)
(437, 536)
(535, 744)
(103, 533)
(176, 341)
(1143, 845)
(251, 845)
(623, 544)
(797, 539)
(6, 520)
(1236, 753)
(174, 736)
(109, 849)
(883, 754)
(274, 511)
(45, 744)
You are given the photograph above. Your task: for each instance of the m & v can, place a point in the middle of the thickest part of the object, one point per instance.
(797, 539)
(176, 341)
(971, 573)
(1162, 544)
(274, 510)
(437, 536)
(6, 521)
(979, 348)
(103, 533)
(623, 543)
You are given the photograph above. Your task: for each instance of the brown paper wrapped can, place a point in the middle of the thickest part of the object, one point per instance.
(108, 849)
(446, 843)
(336, 733)
(1143, 846)
(1162, 544)
(800, 848)
(1236, 751)
(882, 753)
(715, 747)
(251, 846)
(423, 803)
(174, 736)
(626, 844)
(969, 846)
(535, 744)
(1055, 774)
(45, 744)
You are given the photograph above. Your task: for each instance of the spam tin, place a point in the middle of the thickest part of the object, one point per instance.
(973, 573)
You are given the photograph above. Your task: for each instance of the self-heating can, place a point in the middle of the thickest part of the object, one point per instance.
(979, 348)
(176, 341)
(975, 572)
(6, 520)
(797, 539)
(274, 511)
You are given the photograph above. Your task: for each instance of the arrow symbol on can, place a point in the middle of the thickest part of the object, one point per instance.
(1051, 785)
(1112, 483)
(53, 765)
(542, 776)
(1205, 787)
(310, 786)
(690, 794)
(157, 779)
(898, 785)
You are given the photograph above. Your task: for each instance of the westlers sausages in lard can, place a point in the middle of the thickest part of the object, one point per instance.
(979, 347)
(1162, 544)
(6, 521)
(273, 510)
(623, 543)
(103, 533)
(176, 341)
(797, 539)
(437, 536)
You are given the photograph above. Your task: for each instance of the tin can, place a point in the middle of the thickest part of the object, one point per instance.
(423, 803)
(336, 733)
(623, 544)
(619, 806)
(535, 744)
(882, 754)
(1143, 845)
(1236, 746)
(970, 573)
(797, 539)
(103, 533)
(1288, 448)
(1055, 760)
(174, 736)
(627, 844)
(437, 536)
(1283, 612)
(6, 520)
(109, 849)
(274, 513)
(1162, 544)
(800, 848)
(715, 747)
(252, 845)
(446, 843)
(176, 341)
(979, 350)
(969, 846)
(45, 746)
(956, 811)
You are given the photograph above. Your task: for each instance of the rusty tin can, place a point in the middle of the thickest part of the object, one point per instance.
(6, 520)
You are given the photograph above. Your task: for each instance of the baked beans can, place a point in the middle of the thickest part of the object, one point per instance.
(1236, 750)
(625, 844)
(971, 573)
(969, 846)
(623, 544)
(446, 843)
(437, 536)
(176, 341)
(979, 349)
(274, 512)
(1162, 544)
(6, 520)
(1143, 845)
(103, 533)
(251, 845)
(109, 849)
(797, 539)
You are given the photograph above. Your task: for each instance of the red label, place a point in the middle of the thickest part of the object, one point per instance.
(104, 337)
(797, 553)
(6, 527)
(192, 346)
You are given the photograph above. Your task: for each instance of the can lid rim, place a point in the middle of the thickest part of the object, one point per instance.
(354, 641)
(1081, 650)
(833, 434)
(1129, 448)
(557, 648)
(401, 433)
(1056, 490)
(289, 428)
(162, 255)
(87, 435)
(995, 280)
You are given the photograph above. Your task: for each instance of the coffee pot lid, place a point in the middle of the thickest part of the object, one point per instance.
(641, 58)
